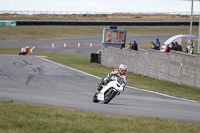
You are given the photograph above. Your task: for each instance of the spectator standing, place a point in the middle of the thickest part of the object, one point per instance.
(109, 38)
(188, 46)
(179, 47)
(172, 46)
(158, 43)
(167, 48)
(176, 46)
(131, 46)
(123, 44)
(135, 46)
(192, 47)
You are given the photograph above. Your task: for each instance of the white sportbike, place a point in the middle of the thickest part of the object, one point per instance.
(109, 91)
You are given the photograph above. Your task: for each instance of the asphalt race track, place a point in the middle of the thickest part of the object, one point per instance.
(44, 46)
(31, 79)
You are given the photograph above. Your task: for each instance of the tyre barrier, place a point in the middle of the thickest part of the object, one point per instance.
(79, 23)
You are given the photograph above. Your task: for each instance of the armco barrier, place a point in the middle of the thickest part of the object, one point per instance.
(175, 66)
(83, 23)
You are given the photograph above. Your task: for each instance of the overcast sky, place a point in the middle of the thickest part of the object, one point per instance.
(100, 5)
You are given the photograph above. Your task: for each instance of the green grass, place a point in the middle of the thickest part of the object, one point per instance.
(56, 32)
(10, 50)
(23, 118)
(82, 62)
(48, 32)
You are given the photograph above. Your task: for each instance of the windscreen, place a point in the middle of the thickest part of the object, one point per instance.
(120, 80)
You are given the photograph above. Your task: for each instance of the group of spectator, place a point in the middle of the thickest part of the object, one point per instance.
(174, 46)
(156, 45)
(134, 45)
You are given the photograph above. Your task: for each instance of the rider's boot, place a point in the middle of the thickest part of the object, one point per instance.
(100, 85)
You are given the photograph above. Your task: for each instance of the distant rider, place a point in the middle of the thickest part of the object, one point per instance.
(121, 72)
(25, 50)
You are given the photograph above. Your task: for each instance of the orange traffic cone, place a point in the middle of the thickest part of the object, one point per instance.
(91, 45)
(65, 45)
(79, 45)
(52, 45)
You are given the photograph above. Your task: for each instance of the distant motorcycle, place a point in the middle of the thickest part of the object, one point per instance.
(25, 50)
(109, 91)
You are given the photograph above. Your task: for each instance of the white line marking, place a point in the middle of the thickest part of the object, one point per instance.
(163, 94)
(71, 68)
(127, 86)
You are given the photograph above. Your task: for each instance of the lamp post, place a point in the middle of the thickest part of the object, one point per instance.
(191, 21)
(199, 35)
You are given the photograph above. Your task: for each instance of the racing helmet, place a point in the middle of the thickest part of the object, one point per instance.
(27, 47)
(122, 69)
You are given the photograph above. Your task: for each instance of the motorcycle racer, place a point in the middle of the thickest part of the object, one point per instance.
(121, 72)
(25, 50)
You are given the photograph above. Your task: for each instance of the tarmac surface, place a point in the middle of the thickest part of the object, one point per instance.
(44, 46)
(31, 79)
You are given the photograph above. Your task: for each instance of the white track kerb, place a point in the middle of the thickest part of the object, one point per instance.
(127, 86)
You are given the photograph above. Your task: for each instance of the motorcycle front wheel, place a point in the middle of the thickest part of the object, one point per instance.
(109, 95)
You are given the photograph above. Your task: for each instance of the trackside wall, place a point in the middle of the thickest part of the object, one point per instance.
(175, 67)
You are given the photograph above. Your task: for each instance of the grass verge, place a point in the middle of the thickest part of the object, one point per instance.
(25, 118)
(56, 32)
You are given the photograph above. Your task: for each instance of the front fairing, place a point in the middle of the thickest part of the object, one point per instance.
(112, 84)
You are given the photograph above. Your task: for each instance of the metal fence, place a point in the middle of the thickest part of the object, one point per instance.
(90, 12)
